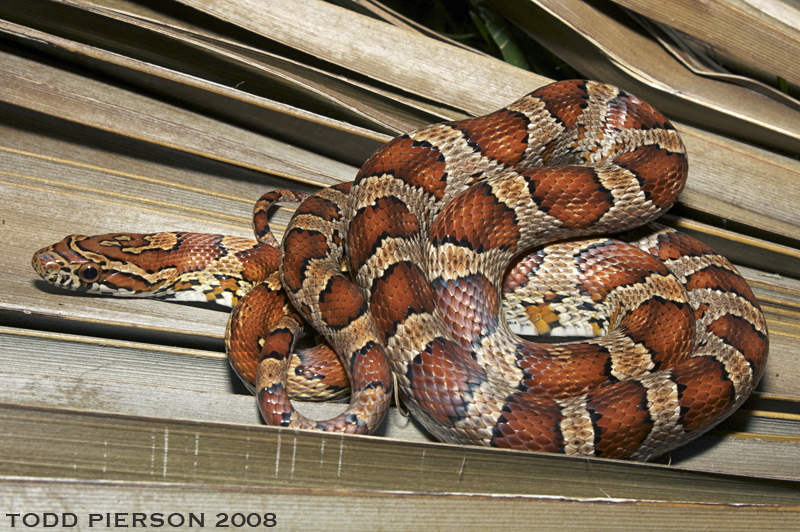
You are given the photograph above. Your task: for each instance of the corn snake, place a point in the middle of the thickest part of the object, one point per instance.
(428, 229)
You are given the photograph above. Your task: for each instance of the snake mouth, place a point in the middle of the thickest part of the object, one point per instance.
(54, 269)
(47, 263)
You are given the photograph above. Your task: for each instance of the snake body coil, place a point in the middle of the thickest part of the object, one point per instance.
(428, 230)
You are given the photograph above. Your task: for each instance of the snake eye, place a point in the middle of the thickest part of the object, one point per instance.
(88, 273)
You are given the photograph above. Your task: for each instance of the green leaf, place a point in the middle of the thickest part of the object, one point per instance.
(496, 29)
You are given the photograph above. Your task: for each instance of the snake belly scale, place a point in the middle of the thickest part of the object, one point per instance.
(434, 233)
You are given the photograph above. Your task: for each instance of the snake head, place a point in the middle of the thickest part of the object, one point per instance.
(193, 267)
(102, 263)
(61, 265)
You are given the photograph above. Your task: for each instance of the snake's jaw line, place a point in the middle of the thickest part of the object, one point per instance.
(49, 266)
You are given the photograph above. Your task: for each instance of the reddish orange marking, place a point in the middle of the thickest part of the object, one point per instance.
(403, 290)
(530, 423)
(301, 246)
(341, 302)
(566, 101)
(501, 135)
(571, 194)
(387, 218)
(742, 336)
(476, 219)
(706, 391)
(621, 419)
(660, 171)
(320, 207)
(418, 165)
